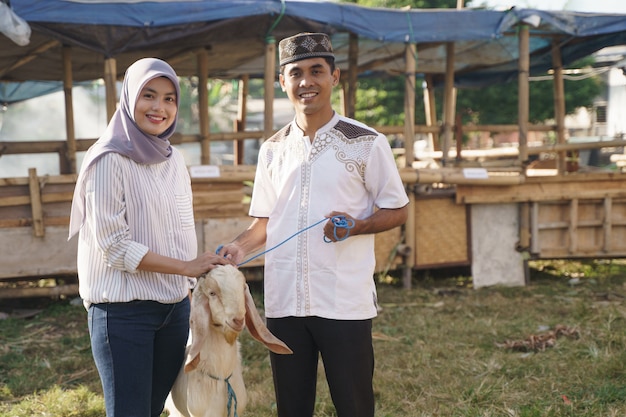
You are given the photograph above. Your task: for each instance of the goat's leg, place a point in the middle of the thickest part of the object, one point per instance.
(176, 403)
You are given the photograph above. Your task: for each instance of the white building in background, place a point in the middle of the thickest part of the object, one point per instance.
(607, 119)
(614, 116)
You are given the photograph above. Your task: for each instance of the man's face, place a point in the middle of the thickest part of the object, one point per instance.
(309, 84)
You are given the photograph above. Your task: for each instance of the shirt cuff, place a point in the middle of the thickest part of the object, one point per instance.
(134, 254)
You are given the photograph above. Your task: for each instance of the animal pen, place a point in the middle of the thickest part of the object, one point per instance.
(488, 213)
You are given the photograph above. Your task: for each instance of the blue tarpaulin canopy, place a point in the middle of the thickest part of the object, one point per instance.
(235, 32)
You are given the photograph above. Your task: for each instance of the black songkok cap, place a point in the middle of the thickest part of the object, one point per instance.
(303, 46)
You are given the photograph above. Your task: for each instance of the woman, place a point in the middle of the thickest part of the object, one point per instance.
(137, 248)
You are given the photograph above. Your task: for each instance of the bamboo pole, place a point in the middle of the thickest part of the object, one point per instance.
(69, 166)
(35, 203)
(409, 139)
(242, 115)
(430, 110)
(449, 103)
(353, 66)
(576, 146)
(455, 176)
(32, 55)
(202, 58)
(110, 78)
(409, 103)
(270, 76)
(559, 103)
(523, 93)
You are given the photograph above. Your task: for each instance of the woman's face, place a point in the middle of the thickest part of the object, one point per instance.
(156, 106)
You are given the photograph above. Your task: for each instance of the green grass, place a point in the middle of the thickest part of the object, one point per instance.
(439, 351)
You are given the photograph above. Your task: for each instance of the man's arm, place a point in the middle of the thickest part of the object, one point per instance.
(380, 221)
(249, 240)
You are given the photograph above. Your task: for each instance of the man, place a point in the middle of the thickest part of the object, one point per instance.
(320, 295)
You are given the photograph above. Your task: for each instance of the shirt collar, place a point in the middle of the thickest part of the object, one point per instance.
(331, 123)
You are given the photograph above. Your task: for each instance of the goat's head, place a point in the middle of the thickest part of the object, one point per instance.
(222, 300)
(225, 305)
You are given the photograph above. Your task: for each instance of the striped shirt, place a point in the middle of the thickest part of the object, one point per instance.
(132, 208)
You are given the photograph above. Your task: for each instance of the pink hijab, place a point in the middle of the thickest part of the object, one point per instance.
(122, 134)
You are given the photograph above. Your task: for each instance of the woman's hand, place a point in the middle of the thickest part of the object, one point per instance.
(204, 263)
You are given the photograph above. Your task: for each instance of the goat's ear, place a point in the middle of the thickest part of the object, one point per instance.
(259, 331)
(199, 322)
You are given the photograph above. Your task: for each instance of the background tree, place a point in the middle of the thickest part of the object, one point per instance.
(380, 100)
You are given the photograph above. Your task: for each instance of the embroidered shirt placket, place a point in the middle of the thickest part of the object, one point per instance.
(304, 294)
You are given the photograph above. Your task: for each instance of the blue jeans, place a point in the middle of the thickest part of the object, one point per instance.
(138, 348)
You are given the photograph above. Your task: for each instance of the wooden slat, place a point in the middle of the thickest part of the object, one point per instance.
(14, 201)
(57, 290)
(217, 197)
(49, 179)
(35, 203)
(607, 225)
(524, 227)
(546, 191)
(534, 229)
(573, 226)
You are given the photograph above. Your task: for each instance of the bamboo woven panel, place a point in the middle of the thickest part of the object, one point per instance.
(385, 249)
(441, 233)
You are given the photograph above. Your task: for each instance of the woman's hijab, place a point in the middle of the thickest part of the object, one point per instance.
(122, 134)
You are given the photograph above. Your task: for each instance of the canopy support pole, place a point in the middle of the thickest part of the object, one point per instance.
(68, 162)
(353, 64)
(409, 138)
(270, 76)
(242, 115)
(523, 93)
(110, 78)
(449, 103)
(559, 103)
(430, 110)
(203, 107)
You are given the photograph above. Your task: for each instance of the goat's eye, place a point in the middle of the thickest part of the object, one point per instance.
(212, 293)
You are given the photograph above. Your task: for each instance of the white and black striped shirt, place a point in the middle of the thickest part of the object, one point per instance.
(132, 208)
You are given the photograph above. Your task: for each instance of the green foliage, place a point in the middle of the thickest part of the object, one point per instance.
(380, 101)
(497, 104)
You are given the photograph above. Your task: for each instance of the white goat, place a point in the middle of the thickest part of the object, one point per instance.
(210, 384)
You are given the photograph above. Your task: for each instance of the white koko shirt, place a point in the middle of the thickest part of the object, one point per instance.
(349, 168)
(131, 208)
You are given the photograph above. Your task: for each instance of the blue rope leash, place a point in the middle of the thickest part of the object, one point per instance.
(232, 397)
(340, 222)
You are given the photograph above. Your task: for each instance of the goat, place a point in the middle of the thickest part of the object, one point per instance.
(210, 383)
